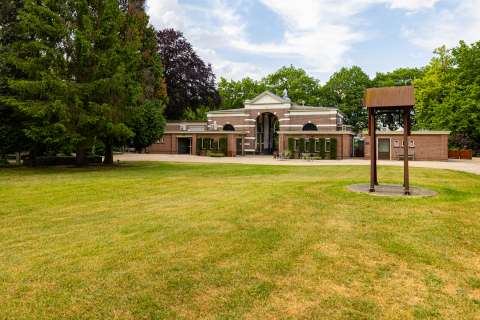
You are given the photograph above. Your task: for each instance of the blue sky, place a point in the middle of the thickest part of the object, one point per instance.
(252, 38)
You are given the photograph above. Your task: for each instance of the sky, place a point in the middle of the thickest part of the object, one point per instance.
(254, 38)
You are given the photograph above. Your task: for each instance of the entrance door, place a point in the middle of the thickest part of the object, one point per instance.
(183, 146)
(383, 149)
(239, 146)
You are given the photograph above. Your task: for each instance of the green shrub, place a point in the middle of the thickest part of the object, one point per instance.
(311, 145)
(217, 155)
(291, 145)
(199, 146)
(333, 148)
(4, 163)
(215, 145)
(301, 147)
(223, 145)
(321, 147)
(318, 158)
(206, 142)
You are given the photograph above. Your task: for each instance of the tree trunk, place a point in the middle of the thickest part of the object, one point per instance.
(108, 151)
(81, 158)
(32, 156)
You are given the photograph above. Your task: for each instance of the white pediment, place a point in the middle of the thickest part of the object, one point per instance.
(267, 99)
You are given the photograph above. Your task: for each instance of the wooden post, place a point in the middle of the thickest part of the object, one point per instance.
(371, 130)
(406, 129)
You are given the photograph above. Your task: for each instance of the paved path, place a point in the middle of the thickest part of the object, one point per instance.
(472, 166)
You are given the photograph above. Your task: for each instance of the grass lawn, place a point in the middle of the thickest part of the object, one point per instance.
(221, 241)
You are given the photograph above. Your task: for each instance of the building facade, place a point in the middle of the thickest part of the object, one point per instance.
(256, 128)
(422, 145)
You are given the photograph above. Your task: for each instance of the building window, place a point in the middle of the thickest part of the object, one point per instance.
(309, 127)
(306, 145)
(411, 144)
(396, 145)
(211, 140)
(403, 144)
(327, 145)
(203, 143)
(316, 145)
(296, 145)
(228, 127)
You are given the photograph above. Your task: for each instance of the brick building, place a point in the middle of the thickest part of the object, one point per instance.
(424, 145)
(254, 128)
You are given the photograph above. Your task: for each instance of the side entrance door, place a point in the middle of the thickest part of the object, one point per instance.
(183, 146)
(239, 146)
(383, 149)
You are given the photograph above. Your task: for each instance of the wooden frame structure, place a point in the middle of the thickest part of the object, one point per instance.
(390, 100)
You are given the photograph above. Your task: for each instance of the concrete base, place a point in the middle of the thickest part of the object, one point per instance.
(392, 190)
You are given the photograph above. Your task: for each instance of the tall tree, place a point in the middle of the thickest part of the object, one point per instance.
(345, 90)
(190, 83)
(300, 86)
(234, 93)
(398, 77)
(81, 64)
(448, 96)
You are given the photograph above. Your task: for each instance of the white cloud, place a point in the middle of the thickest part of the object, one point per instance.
(410, 4)
(410, 13)
(207, 55)
(416, 55)
(404, 32)
(166, 14)
(236, 71)
(448, 27)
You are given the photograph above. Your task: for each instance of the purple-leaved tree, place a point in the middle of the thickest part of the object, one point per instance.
(190, 83)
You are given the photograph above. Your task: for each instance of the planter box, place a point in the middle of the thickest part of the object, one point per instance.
(453, 154)
(229, 153)
(359, 153)
(465, 154)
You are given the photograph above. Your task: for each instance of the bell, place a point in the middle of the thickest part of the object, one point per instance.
(388, 119)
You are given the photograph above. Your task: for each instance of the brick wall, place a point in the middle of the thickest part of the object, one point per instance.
(426, 146)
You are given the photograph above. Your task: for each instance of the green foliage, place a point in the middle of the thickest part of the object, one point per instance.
(199, 146)
(218, 155)
(299, 85)
(321, 146)
(206, 142)
(291, 147)
(333, 148)
(151, 125)
(311, 145)
(301, 145)
(81, 74)
(223, 145)
(234, 93)
(319, 158)
(448, 96)
(4, 163)
(398, 77)
(345, 90)
(215, 145)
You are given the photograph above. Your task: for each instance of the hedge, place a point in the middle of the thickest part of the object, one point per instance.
(301, 147)
(321, 147)
(215, 145)
(223, 145)
(333, 148)
(206, 143)
(311, 145)
(291, 145)
(199, 146)
(217, 155)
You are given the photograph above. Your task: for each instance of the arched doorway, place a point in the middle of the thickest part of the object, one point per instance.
(265, 133)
